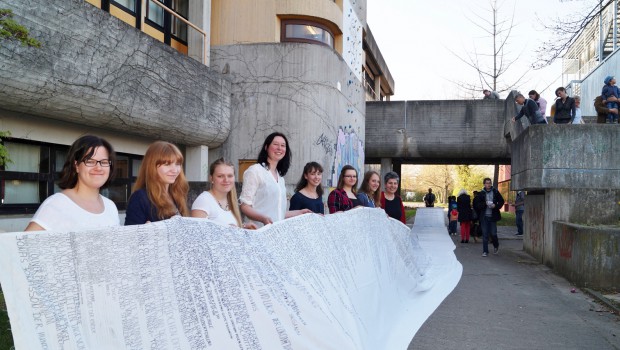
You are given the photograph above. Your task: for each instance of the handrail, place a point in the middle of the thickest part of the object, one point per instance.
(204, 34)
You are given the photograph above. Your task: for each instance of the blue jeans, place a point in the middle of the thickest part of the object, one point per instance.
(520, 221)
(489, 228)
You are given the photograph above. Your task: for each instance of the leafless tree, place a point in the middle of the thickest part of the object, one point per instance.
(566, 31)
(438, 177)
(491, 65)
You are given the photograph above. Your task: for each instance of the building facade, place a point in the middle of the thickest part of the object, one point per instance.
(134, 72)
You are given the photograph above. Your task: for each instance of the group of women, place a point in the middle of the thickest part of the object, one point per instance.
(161, 190)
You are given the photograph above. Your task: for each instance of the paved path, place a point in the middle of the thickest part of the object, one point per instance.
(509, 301)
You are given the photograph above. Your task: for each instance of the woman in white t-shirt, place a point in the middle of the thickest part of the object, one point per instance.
(79, 206)
(263, 196)
(220, 202)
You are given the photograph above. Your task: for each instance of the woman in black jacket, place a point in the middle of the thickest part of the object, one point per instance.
(463, 205)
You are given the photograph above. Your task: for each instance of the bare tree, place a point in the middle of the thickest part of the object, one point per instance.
(566, 31)
(491, 66)
(438, 177)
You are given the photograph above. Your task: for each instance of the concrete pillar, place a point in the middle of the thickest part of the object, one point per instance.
(197, 163)
(377, 87)
(200, 16)
(386, 167)
(397, 168)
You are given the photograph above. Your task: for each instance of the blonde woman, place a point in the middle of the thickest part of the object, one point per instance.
(161, 188)
(220, 202)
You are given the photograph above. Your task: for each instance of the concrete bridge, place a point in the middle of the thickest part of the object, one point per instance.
(571, 173)
(439, 132)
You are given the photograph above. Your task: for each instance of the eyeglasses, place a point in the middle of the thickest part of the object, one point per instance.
(351, 176)
(91, 162)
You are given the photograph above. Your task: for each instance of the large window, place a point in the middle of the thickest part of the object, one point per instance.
(306, 31)
(32, 176)
(169, 24)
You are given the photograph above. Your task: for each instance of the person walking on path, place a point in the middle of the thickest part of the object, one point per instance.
(487, 203)
(429, 199)
(463, 206)
(519, 209)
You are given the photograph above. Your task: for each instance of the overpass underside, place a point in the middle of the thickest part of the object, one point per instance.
(439, 132)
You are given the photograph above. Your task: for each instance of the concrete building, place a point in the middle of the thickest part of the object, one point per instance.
(134, 72)
(593, 55)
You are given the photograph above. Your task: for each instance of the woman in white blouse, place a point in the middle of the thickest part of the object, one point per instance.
(220, 202)
(263, 196)
(79, 206)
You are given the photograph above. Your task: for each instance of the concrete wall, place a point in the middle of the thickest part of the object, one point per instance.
(464, 131)
(95, 70)
(574, 171)
(587, 256)
(566, 156)
(534, 228)
(307, 92)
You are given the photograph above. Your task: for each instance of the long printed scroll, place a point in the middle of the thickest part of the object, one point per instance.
(355, 280)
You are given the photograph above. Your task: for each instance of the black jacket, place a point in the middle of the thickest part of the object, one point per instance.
(463, 205)
(480, 204)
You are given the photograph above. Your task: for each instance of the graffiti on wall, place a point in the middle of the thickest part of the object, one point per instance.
(535, 225)
(349, 150)
(567, 237)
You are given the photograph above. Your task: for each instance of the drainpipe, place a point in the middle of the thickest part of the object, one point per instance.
(615, 24)
(600, 31)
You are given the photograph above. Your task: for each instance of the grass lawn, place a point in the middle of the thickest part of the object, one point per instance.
(508, 219)
(6, 338)
(410, 212)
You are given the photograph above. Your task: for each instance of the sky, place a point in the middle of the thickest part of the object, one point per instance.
(416, 38)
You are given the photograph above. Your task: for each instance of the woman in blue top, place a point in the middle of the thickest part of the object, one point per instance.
(161, 190)
(309, 192)
(369, 193)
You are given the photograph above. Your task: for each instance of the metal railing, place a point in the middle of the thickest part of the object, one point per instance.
(165, 8)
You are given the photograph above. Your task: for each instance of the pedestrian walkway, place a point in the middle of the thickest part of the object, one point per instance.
(510, 301)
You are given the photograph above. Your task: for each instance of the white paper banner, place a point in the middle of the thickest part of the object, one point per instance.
(355, 280)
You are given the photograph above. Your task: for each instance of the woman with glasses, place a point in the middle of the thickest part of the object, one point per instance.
(390, 200)
(161, 190)
(369, 193)
(79, 206)
(263, 196)
(344, 196)
(219, 203)
(309, 192)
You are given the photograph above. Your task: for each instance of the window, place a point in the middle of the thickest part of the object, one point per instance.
(36, 167)
(306, 31)
(155, 14)
(179, 29)
(126, 4)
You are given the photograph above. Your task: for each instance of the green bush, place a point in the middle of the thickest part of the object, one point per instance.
(11, 30)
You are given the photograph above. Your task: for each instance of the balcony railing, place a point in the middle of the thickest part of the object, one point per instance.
(180, 18)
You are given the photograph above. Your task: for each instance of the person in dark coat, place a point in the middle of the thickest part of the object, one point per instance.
(488, 203)
(463, 205)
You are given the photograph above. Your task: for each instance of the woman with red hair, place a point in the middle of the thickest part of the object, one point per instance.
(161, 189)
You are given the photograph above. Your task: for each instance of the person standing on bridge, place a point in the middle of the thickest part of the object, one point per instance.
(487, 203)
(490, 95)
(564, 107)
(541, 102)
(429, 199)
(529, 109)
